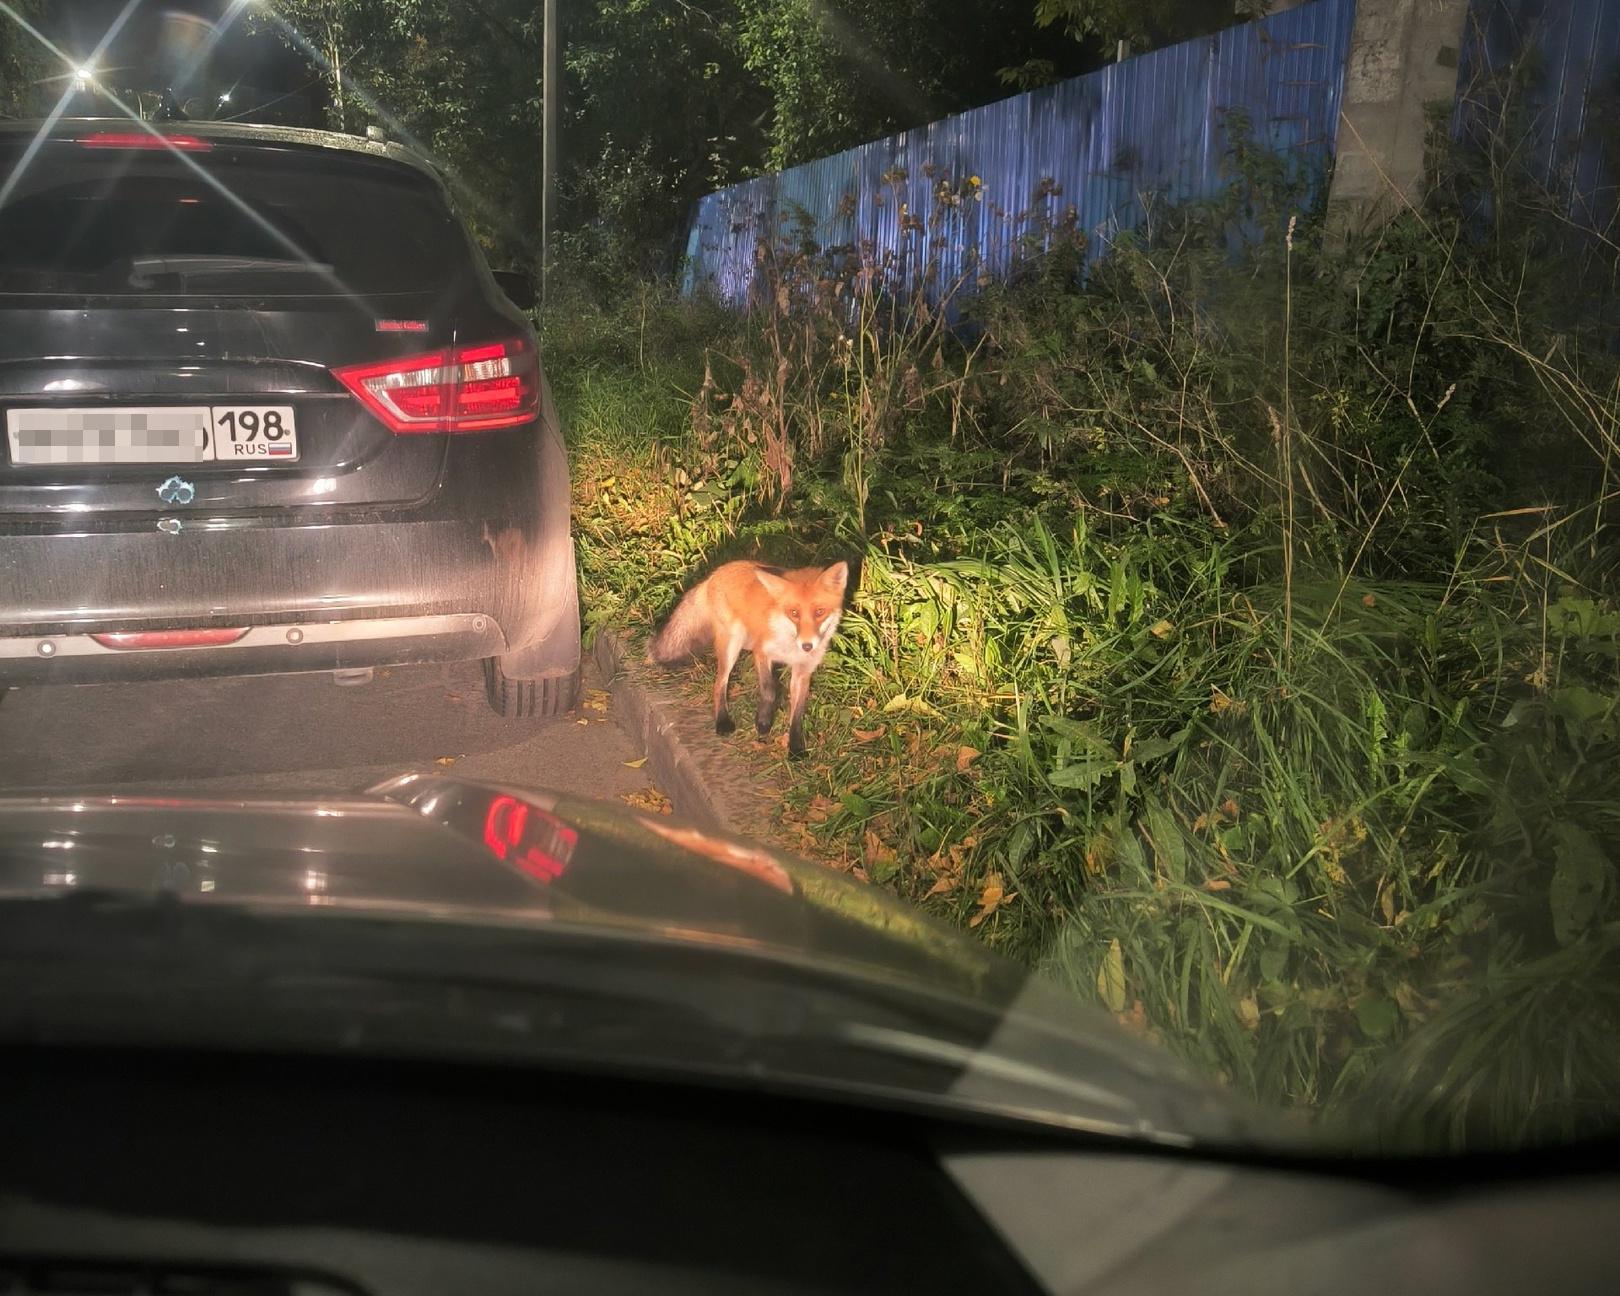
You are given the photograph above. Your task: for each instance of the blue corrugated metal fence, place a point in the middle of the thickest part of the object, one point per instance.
(1099, 150)
(1553, 68)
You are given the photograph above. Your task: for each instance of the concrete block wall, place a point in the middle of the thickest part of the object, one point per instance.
(1403, 58)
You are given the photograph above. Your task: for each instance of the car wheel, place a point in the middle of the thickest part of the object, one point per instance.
(523, 699)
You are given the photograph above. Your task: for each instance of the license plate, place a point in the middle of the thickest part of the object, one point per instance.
(156, 434)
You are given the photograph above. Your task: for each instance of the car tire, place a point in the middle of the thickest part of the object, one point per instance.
(528, 699)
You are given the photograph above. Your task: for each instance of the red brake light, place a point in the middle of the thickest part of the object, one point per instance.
(460, 389)
(144, 140)
(528, 838)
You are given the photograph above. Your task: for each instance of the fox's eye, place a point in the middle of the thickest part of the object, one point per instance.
(794, 613)
(818, 613)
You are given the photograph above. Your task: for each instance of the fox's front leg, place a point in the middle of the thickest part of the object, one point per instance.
(726, 652)
(798, 696)
(765, 713)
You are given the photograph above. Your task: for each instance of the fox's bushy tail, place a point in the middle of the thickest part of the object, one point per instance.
(684, 633)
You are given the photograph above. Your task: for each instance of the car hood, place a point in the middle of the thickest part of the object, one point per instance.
(434, 915)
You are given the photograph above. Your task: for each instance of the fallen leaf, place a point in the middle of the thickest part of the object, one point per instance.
(1386, 902)
(965, 756)
(384, 674)
(635, 764)
(452, 697)
(582, 722)
(647, 799)
(1221, 702)
(1111, 977)
(878, 853)
(1229, 808)
(868, 735)
(948, 880)
(595, 700)
(1248, 1012)
(1217, 884)
(990, 899)
(1160, 629)
(821, 808)
(446, 761)
(1367, 600)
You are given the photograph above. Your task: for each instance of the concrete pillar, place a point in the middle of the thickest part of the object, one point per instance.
(1403, 57)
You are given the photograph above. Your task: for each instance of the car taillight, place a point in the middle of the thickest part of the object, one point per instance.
(458, 389)
(144, 140)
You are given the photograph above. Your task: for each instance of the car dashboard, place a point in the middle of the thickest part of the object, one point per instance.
(171, 1172)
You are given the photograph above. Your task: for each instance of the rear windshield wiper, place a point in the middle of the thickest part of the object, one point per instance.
(143, 270)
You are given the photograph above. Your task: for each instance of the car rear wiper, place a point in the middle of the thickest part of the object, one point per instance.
(143, 270)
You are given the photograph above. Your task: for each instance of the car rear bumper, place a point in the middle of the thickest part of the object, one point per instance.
(311, 597)
(261, 650)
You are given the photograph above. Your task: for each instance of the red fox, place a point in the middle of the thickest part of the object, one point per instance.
(782, 617)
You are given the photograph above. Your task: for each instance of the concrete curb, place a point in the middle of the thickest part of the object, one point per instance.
(709, 785)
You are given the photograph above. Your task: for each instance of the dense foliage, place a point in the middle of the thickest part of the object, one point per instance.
(662, 101)
(23, 62)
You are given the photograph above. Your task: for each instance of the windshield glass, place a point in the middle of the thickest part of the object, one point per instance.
(1129, 487)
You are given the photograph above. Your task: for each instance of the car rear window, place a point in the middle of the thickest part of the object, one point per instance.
(92, 220)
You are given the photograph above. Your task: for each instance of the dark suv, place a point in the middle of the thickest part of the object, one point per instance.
(267, 410)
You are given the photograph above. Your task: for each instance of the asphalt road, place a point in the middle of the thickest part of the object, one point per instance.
(302, 733)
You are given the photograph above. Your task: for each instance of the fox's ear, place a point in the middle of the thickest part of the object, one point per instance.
(836, 577)
(777, 587)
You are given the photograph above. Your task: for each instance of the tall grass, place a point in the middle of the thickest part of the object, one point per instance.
(1236, 636)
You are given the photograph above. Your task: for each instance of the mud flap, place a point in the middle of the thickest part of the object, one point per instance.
(542, 677)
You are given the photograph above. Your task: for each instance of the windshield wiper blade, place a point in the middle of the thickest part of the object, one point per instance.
(144, 269)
